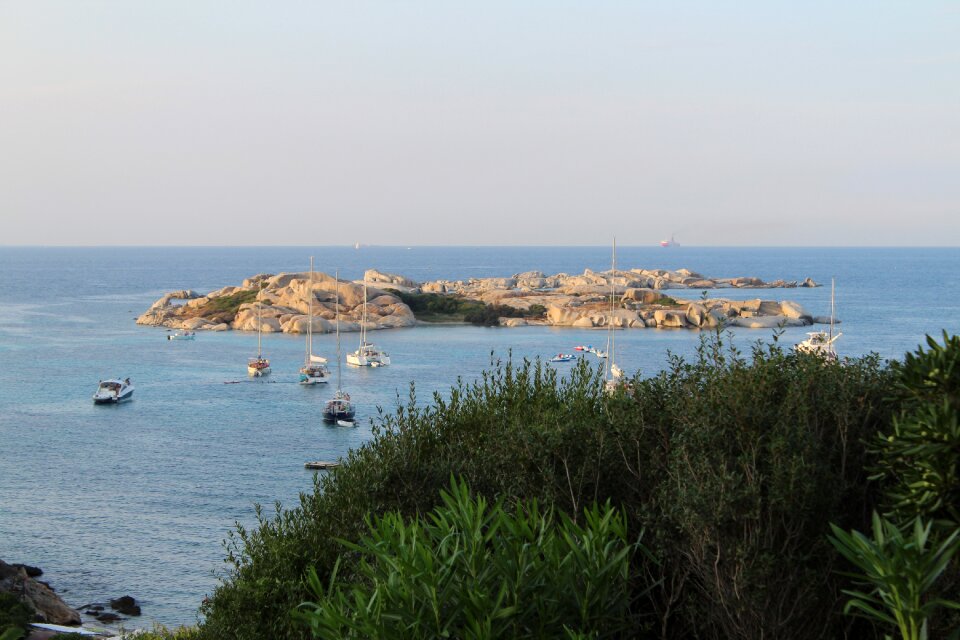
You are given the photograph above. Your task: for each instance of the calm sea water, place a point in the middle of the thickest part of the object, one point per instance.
(137, 498)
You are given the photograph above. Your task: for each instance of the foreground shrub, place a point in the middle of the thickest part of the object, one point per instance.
(919, 458)
(15, 617)
(732, 464)
(468, 571)
(898, 571)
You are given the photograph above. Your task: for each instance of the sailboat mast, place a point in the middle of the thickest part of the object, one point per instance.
(337, 277)
(363, 323)
(259, 321)
(832, 309)
(613, 297)
(310, 315)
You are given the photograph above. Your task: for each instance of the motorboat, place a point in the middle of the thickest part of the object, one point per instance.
(259, 366)
(580, 347)
(182, 335)
(562, 357)
(600, 353)
(339, 408)
(113, 391)
(820, 343)
(314, 369)
(367, 354)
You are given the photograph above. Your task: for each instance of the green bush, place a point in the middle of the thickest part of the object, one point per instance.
(733, 464)
(899, 570)
(914, 581)
(15, 616)
(488, 316)
(536, 311)
(229, 304)
(469, 570)
(919, 457)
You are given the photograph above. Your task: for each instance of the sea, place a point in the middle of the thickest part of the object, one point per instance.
(137, 499)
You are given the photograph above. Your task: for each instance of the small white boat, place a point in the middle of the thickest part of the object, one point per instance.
(259, 366)
(346, 423)
(820, 343)
(600, 354)
(113, 391)
(182, 335)
(562, 357)
(314, 369)
(367, 355)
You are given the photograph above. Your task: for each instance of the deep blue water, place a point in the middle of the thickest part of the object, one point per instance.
(136, 499)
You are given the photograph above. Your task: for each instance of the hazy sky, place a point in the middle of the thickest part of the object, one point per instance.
(736, 123)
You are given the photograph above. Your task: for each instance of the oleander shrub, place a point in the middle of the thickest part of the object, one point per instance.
(733, 464)
(472, 569)
(908, 577)
(919, 456)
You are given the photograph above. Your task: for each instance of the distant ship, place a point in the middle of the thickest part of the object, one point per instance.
(672, 242)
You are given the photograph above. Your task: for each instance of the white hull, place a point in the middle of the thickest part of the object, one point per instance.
(113, 392)
(258, 372)
(307, 379)
(371, 359)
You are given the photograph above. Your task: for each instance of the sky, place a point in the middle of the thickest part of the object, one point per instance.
(754, 123)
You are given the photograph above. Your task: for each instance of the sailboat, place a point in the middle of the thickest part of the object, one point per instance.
(613, 375)
(367, 355)
(314, 369)
(259, 366)
(339, 410)
(821, 342)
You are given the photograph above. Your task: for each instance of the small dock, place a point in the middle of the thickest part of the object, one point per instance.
(321, 465)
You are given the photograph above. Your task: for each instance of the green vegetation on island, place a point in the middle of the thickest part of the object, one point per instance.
(438, 307)
(229, 304)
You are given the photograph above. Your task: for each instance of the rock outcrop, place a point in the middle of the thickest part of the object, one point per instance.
(643, 298)
(49, 607)
(284, 303)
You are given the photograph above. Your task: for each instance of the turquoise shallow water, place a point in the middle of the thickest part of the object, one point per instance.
(136, 498)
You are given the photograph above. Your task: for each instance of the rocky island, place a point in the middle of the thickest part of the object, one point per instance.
(641, 301)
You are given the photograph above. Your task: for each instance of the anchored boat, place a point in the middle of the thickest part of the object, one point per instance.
(259, 366)
(113, 391)
(367, 354)
(339, 408)
(314, 369)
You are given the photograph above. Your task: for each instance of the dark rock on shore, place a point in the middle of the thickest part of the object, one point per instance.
(33, 572)
(126, 605)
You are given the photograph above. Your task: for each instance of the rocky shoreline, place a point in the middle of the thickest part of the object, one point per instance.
(644, 299)
(20, 581)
